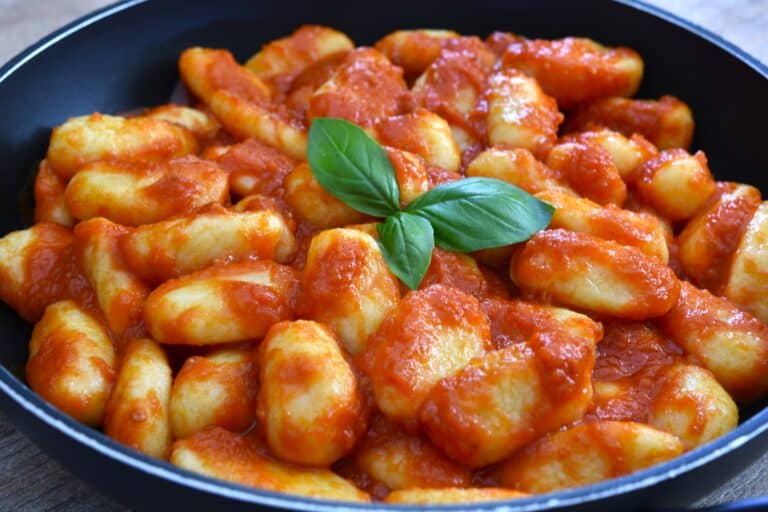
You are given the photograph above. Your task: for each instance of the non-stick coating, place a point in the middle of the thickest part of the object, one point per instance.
(124, 57)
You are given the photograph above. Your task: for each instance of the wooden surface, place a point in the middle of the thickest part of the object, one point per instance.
(29, 480)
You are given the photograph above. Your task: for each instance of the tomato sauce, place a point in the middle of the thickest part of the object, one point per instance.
(644, 117)
(589, 170)
(237, 378)
(720, 230)
(366, 88)
(456, 83)
(631, 357)
(52, 273)
(299, 93)
(403, 457)
(225, 73)
(255, 168)
(572, 69)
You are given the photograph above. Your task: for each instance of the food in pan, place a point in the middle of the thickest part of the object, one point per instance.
(540, 288)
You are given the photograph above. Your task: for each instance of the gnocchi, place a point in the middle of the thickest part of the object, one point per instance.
(253, 167)
(728, 341)
(707, 243)
(283, 59)
(137, 411)
(218, 389)
(452, 87)
(167, 249)
(199, 296)
(588, 453)
(414, 50)
(365, 88)
(72, 362)
(589, 169)
(597, 275)
(87, 139)
(119, 292)
(399, 460)
(313, 203)
(431, 334)
(204, 127)
(134, 194)
(423, 133)
(500, 402)
(518, 167)
(38, 267)
(221, 304)
(50, 205)
(574, 70)
(309, 402)
(347, 285)
(749, 272)
(666, 122)
(676, 184)
(609, 222)
(520, 115)
(248, 120)
(205, 71)
(219, 453)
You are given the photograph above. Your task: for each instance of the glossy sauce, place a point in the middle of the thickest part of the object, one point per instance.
(255, 168)
(457, 77)
(461, 272)
(632, 356)
(721, 228)
(238, 411)
(646, 118)
(401, 460)
(573, 70)
(589, 170)
(225, 73)
(53, 273)
(365, 88)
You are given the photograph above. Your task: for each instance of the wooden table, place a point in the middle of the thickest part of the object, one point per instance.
(29, 480)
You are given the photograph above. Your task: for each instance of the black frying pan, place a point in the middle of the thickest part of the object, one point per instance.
(124, 57)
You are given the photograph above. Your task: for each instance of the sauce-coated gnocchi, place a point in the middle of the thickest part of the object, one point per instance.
(218, 389)
(202, 298)
(310, 404)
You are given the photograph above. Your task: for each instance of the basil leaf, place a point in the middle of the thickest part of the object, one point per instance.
(406, 242)
(352, 167)
(478, 213)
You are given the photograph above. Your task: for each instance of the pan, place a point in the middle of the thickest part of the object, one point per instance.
(124, 57)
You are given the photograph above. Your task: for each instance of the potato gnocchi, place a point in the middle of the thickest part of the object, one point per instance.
(201, 298)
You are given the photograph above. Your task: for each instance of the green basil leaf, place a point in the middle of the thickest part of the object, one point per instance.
(406, 242)
(352, 167)
(479, 213)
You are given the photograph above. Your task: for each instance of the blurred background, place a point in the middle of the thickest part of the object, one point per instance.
(742, 22)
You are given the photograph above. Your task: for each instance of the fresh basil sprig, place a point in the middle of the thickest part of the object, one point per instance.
(406, 241)
(461, 216)
(479, 213)
(352, 167)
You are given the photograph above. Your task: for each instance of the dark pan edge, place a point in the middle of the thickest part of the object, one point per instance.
(25, 399)
(708, 35)
(54, 37)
